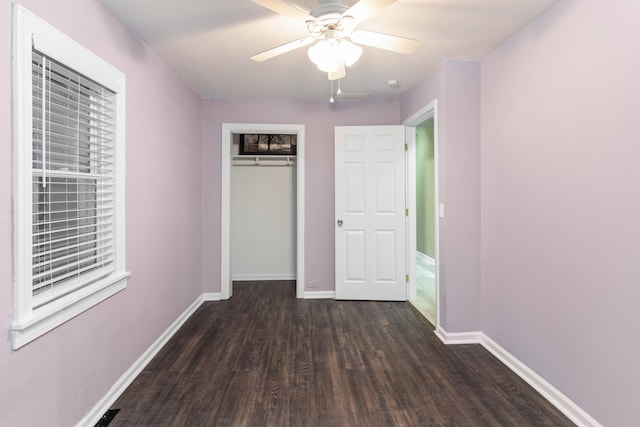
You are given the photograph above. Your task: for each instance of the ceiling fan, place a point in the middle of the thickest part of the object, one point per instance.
(332, 27)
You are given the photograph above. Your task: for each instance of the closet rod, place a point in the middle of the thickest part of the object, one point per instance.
(263, 161)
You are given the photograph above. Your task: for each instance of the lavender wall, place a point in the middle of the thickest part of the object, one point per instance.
(456, 87)
(56, 379)
(319, 119)
(561, 202)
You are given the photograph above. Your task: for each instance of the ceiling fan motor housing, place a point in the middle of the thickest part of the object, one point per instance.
(329, 11)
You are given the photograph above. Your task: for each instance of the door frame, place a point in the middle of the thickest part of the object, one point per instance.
(427, 112)
(228, 129)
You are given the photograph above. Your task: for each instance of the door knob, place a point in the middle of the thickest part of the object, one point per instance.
(339, 223)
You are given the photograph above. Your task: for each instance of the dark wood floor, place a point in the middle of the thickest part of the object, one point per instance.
(265, 358)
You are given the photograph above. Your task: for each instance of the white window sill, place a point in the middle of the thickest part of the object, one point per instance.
(45, 319)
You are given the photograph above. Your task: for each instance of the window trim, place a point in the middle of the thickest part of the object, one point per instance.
(30, 31)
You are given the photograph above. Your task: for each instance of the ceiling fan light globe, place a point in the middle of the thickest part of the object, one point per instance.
(317, 51)
(323, 54)
(312, 53)
(328, 67)
(350, 52)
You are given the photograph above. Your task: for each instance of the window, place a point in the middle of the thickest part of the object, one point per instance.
(68, 178)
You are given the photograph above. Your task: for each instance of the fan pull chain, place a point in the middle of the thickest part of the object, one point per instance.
(339, 91)
(331, 100)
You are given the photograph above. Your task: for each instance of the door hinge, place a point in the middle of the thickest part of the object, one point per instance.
(406, 212)
(406, 147)
(406, 278)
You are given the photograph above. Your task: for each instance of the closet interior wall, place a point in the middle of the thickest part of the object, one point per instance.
(263, 217)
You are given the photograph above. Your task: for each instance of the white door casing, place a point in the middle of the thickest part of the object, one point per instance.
(428, 111)
(370, 213)
(228, 129)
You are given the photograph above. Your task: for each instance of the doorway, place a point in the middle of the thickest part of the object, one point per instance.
(229, 132)
(423, 230)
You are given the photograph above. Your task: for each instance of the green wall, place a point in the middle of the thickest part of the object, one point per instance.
(425, 189)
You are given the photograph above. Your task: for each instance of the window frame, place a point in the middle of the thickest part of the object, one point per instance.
(30, 32)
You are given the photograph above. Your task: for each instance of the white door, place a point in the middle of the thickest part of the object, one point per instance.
(370, 213)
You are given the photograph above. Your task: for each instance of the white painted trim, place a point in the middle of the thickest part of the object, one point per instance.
(127, 378)
(428, 111)
(29, 321)
(426, 257)
(451, 338)
(410, 200)
(300, 212)
(548, 391)
(211, 296)
(253, 277)
(225, 212)
(422, 114)
(320, 295)
(226, 286)
(27, 331)
(436, 174)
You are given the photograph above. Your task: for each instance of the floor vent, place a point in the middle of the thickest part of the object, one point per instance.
(107, 418)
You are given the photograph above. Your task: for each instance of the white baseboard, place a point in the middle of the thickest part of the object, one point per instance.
(127, 378)
(319, 294)
(548, 391)
(425, 256)
(458, 337)
(260, 277)
(212, 296)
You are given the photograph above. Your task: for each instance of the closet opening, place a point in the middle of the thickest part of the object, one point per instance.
(262, 218)
(263, 207)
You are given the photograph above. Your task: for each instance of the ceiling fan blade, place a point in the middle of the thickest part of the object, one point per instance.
(286, 9)
(364, 9)
(287, 47)
(384, 41)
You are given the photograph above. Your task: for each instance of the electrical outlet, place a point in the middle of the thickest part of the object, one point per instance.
(311, 285)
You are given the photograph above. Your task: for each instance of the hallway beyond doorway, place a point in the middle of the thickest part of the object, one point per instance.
(426, 287)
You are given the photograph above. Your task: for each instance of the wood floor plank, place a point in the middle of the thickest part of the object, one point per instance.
(265, 358)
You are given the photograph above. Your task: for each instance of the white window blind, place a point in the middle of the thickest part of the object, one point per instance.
(69, 178)
(73, 180)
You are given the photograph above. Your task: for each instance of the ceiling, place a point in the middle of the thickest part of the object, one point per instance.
(209, 43)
